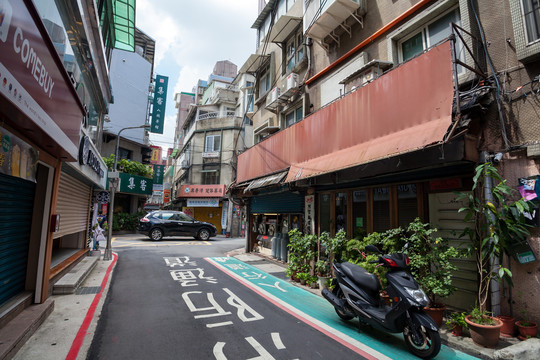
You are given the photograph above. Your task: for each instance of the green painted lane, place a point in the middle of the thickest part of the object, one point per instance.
(391, 345)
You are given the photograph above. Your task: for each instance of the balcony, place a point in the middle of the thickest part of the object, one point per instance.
(330, 19)
(216, 115)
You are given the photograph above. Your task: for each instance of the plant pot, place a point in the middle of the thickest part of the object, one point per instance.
(526, 332)
(302, 282)
(507, 329)
(436, 312)
(457, 330)
(323, 282)
(485, 335)
(314, 285)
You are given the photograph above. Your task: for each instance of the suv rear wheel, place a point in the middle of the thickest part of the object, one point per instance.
(204, 234)
(156, 234)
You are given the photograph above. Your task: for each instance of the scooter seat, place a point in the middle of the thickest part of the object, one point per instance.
(361, 277)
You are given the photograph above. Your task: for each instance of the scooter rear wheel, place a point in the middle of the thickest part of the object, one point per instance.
(339, 294)
(427, 347)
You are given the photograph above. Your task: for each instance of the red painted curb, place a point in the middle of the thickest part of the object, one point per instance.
(79, 338)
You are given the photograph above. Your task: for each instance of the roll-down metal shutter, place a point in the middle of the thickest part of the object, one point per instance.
(73, 205)
(16, 206)
(282, 203)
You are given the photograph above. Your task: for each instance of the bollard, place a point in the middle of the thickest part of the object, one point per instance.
(278, 240)
(274, 247)
(284, 248)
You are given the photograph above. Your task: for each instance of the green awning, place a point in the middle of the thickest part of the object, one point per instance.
(124, 24)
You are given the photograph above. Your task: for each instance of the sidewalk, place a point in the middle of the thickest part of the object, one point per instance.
(68, 331)
(507, 348)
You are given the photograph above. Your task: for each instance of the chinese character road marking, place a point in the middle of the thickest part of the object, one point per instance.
(177, 261)
(187, 277)
(276, 285)
(263, 353)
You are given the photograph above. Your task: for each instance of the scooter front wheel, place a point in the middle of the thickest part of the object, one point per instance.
(343, 315)
(425, 345)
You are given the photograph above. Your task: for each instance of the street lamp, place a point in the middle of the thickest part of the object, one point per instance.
(113, 182)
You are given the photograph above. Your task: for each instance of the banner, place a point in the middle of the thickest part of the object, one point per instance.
(158, 174)
(17, 158)
(158, 110)
(135, 184)
(156, 155)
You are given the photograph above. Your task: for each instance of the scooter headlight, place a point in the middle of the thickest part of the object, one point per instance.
(418, 295)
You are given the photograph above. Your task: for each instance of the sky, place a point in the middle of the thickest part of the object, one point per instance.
(191, 36)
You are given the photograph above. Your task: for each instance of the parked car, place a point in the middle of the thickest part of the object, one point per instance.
(160, 223)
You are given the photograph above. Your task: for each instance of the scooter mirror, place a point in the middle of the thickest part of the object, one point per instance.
(372, 248)
(406, 246)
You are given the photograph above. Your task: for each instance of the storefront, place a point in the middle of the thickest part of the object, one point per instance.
(41, 117)
(205, 203)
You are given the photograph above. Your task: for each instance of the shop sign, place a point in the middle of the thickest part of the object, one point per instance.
(309, 214)
(202, 191)
(156, 155)
(87, 156)
(203, 202)
(34, 81)
(17, 158)
(158, 174)
(166, 195)
(446, 184)
(158, 109)
(134, 184)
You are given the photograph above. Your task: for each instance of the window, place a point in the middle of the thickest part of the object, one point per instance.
(184, 217)
(124, 154)
(531, 13)
(294, 51)
(264, 81)
(213, 143)
(210, 177)
(429, 35)
(294, 116)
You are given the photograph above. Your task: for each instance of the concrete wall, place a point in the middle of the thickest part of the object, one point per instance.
(130, 79)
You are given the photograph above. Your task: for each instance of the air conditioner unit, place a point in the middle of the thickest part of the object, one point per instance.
(291, 86)
(272, 100)
(370, 75)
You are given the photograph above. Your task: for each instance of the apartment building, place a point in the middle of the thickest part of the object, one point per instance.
(369, 114)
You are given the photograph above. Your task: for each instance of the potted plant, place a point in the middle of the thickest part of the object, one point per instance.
(485, 329)
(457, 322)
(302, 276)
(508, 328)
(526, 329)
(322, 270)
(499, 223)
(430, 263)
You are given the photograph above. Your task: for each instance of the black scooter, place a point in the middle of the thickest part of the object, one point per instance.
(356, 294)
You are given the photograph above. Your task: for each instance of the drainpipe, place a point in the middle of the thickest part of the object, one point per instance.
(494, 287)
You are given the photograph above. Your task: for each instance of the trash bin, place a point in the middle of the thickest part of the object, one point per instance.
(278, 239)
(274, 246)
(284, 248)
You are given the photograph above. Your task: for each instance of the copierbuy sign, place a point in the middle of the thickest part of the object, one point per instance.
(34, 80)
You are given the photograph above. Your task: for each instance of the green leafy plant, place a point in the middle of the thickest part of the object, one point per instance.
(457, 319)
(125, 221)
(431, 260)
(129, 166)
(499, 223)
(322, 268)
(481, 317)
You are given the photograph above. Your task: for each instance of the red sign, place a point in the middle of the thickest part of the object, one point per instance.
(34, 80)
(199, 191)
(166, 195)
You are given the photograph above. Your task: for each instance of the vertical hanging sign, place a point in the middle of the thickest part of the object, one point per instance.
(309, 215)
(158, 174)
(158, 108)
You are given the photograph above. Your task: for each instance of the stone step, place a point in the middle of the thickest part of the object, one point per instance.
(69, 283)
(22, 327)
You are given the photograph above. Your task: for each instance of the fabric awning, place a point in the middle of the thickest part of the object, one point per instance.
(407, 140)
(266, 181)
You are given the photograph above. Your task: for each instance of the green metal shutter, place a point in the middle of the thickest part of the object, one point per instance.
(16, 206)
(283, 203)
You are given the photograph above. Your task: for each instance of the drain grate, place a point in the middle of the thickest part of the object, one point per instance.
(88, 290)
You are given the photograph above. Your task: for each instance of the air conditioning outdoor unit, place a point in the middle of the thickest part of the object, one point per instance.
(291, 86)
(370, 75)
(272, 100)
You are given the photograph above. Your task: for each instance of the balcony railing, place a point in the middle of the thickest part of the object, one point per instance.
(216, 114)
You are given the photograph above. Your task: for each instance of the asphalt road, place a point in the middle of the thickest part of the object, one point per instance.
(167, 302)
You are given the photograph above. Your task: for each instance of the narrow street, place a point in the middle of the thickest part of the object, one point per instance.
(179, 298)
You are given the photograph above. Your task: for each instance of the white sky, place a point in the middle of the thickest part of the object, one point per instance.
(191, 36)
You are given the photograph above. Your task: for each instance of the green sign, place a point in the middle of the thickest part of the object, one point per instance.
(134, 184)
(158, 110)
(158, 174)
